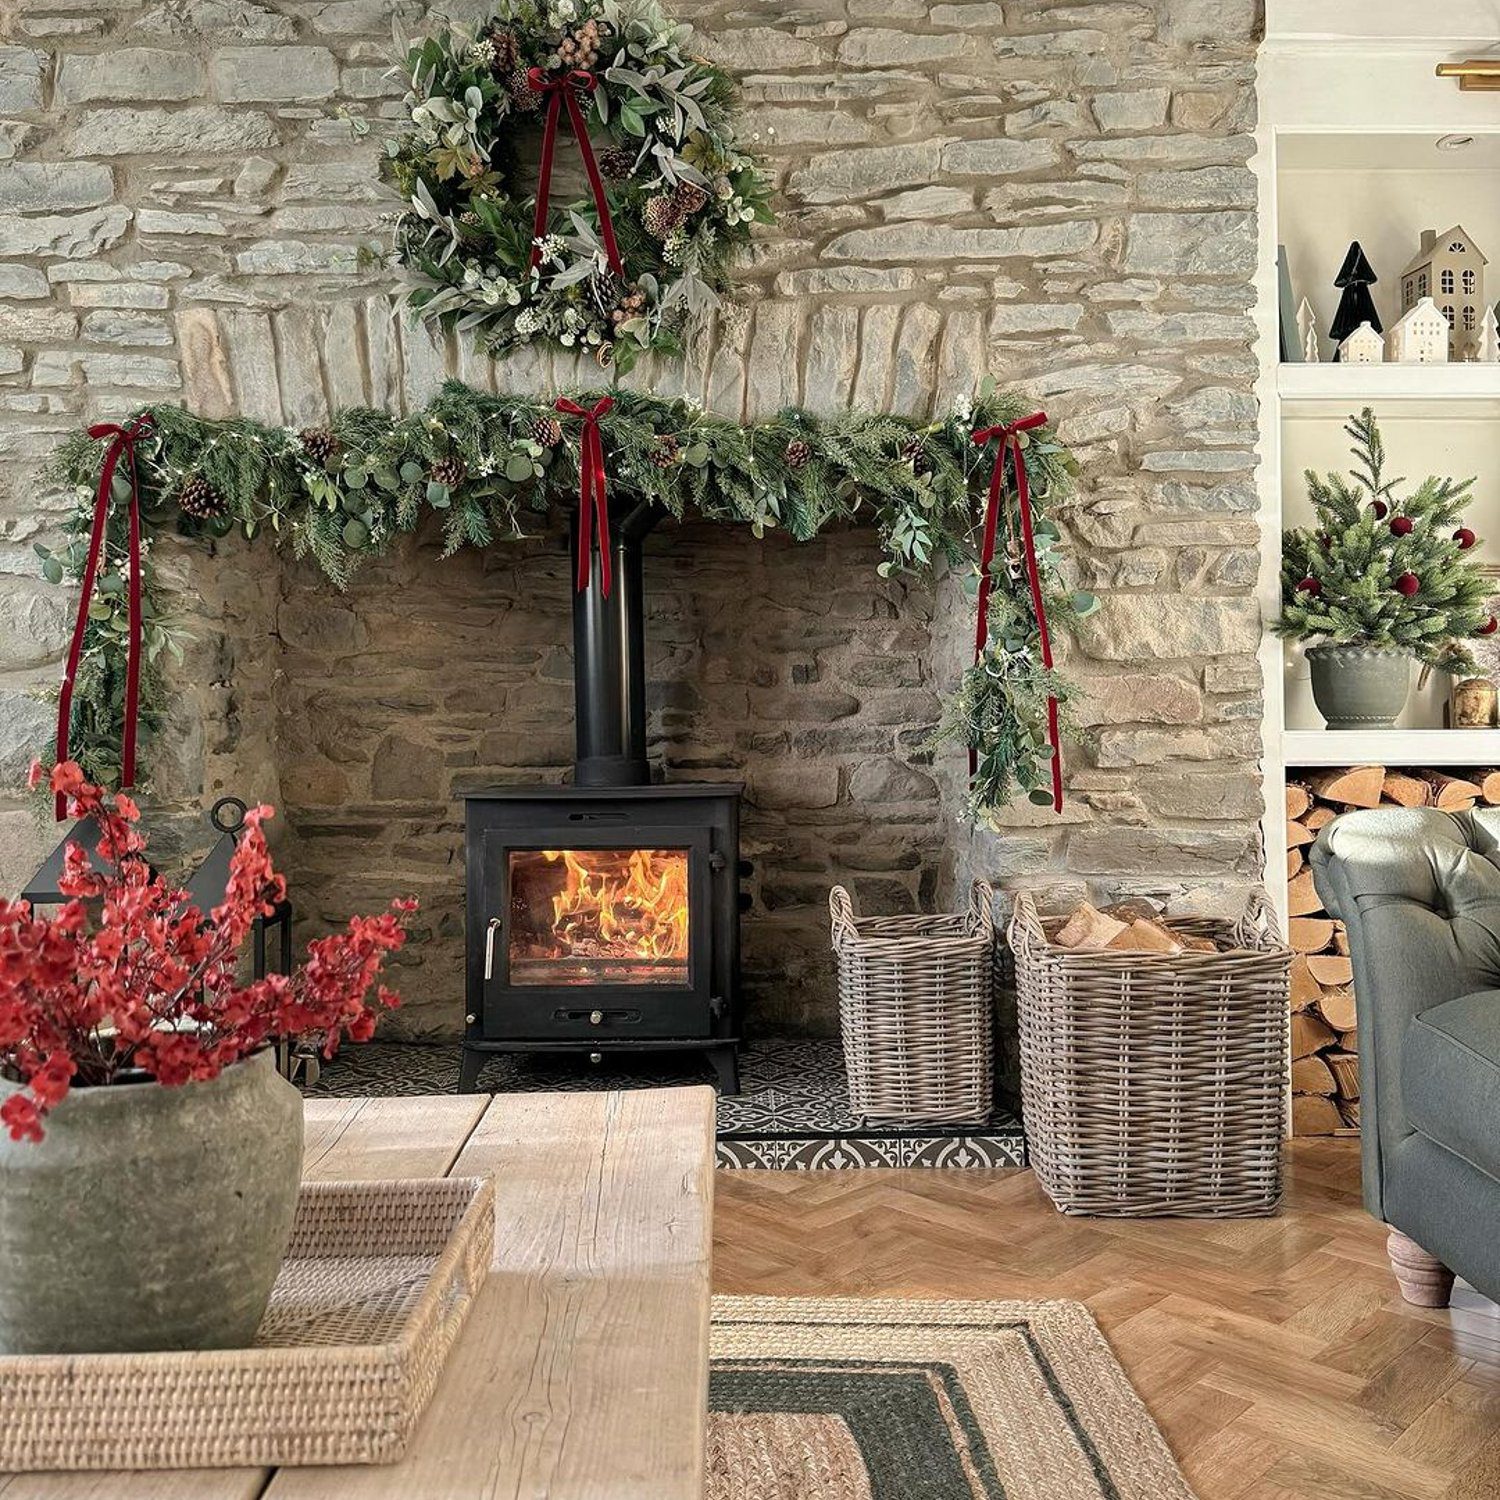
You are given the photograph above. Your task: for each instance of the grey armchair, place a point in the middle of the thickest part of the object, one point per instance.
(1420, 893)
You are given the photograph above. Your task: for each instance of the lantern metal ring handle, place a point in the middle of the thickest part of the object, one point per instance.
(237, 810)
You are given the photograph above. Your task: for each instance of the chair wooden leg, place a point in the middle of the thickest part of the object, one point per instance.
(1424, 1280)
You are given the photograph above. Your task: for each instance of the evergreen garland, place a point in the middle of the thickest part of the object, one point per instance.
(341, 493)
(1382, 570)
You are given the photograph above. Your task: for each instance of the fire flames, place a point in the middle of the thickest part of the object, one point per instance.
(622, 903)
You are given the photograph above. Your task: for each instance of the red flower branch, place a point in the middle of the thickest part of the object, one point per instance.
(127, 977)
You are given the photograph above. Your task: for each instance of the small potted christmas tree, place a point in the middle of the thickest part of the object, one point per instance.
(1378, 580)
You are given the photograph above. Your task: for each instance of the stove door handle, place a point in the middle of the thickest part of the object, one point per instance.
(489, 948)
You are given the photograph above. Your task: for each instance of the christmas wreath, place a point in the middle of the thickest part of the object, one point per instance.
(972, 489)
(672, 193)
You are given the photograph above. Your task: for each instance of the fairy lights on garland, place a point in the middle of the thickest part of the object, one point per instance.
(486, 465)
(483, 244)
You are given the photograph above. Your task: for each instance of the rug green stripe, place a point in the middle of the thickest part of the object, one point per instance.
(903, 1437)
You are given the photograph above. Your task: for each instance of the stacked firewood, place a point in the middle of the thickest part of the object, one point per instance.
(1325, 1044)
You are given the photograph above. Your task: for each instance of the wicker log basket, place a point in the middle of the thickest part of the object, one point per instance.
(1154, 1083)
(915, 1011)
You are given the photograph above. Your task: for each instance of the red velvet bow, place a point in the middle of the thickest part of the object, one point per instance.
(557, 88)
(1009, 434)
(593, 501)
(122, 444)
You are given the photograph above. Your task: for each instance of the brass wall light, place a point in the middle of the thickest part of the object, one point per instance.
(1481, 73)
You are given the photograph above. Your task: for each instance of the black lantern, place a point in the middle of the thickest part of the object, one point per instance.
(205, 889)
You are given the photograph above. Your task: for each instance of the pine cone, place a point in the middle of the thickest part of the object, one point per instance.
(507, 52)
(450, 471)
(798, 454)
(547, 431)
(661, 216)
(665, 453)
(914, 451)
(689, 198)
(617, 164)
(199, 499)
(522, 96)
(319, 444)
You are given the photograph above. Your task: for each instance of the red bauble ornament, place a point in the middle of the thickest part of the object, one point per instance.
(1380, 508)
(1465, 538)
(1408, 584)
(1325, 541)
(1401, 525)
(1310, 586)
(1489, 627)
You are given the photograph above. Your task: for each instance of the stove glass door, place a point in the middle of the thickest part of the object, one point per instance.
(598, 916)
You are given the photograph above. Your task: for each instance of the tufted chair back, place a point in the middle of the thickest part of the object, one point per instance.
(1419, 891)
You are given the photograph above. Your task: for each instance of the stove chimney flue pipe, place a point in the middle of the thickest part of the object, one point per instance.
(609, 659)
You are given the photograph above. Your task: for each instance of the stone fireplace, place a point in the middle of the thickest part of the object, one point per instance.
(1056, 193)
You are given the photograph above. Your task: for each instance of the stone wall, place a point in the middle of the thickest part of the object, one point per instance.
(1055, 192)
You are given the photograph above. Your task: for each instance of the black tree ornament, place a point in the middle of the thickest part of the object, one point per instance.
(1356, 306)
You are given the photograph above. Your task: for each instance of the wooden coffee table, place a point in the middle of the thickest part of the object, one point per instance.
(582, 1373)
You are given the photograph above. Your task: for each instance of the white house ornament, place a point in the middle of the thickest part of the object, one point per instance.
(1449, 268)
(639, 253)
(1364, 346)
(1420, 337)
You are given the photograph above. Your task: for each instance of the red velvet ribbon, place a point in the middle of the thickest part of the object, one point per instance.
(593, 501)
(122, 444)
(1009, 434)
(558, 88)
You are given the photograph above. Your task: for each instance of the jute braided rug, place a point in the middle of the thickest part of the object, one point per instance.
(845, 1399)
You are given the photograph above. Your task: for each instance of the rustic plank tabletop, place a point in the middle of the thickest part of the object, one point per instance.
(582, 1372)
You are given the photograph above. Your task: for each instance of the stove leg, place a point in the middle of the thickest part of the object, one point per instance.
(726, 1065)
(471, 1061)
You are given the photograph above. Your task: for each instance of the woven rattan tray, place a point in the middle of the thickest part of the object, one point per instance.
(378, 1279)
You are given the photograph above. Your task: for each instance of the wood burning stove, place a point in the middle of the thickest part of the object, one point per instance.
(603, 917)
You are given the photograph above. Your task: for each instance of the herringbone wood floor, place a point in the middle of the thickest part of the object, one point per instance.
(1276, 1354)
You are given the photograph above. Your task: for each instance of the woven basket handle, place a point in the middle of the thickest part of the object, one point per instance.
(1025, 925)
(982, 908)
(1258, 922)
(841, 909)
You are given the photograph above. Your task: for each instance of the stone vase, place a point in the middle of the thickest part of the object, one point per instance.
(149, 1217)
(1359, 687)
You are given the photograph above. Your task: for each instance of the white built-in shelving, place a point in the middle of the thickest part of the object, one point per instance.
(1391, 747)
(1351, 113)
(1396, 392)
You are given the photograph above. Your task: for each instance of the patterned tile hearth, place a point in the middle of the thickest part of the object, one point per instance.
(792, 1112)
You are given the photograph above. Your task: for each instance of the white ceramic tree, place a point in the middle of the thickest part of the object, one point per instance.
(1307, 330)
(1489, 338)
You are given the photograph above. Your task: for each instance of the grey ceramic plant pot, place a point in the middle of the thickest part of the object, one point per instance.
(1359, 687)
(149, 1217)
